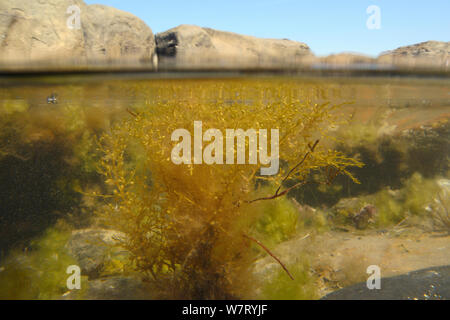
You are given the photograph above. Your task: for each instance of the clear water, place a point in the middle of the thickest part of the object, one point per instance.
(398, 126)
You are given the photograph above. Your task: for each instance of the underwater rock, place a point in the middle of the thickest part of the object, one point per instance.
(264, 269)
(117, 288)
(444, 184)
(113, 288)
(193, 46)
(348, 204)
(92, 248)
(364, 217)
(439, 208)
(356, 212)
(347, 207)
(426, 284)
(69, 32)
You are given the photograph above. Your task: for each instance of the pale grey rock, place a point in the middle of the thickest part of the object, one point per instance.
(93, 248)
(117, 288)
(112, 288)
(426, 284)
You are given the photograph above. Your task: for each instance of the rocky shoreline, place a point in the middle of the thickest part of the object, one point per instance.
(38, 36)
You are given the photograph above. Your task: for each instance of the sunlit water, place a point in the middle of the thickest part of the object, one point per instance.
(397, 126)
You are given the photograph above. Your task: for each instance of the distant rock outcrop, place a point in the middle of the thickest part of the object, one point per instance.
(429, 53)
(193, 46)
(346, 58)
(433, 54)
(47, 32)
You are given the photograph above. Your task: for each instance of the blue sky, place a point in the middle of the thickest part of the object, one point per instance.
(327, 26)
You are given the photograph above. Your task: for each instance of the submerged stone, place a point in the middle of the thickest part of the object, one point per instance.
(426, 284)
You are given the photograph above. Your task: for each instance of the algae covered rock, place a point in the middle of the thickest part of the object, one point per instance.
(94, 248)
(100, 257)
(114, 288)
(355, 211)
